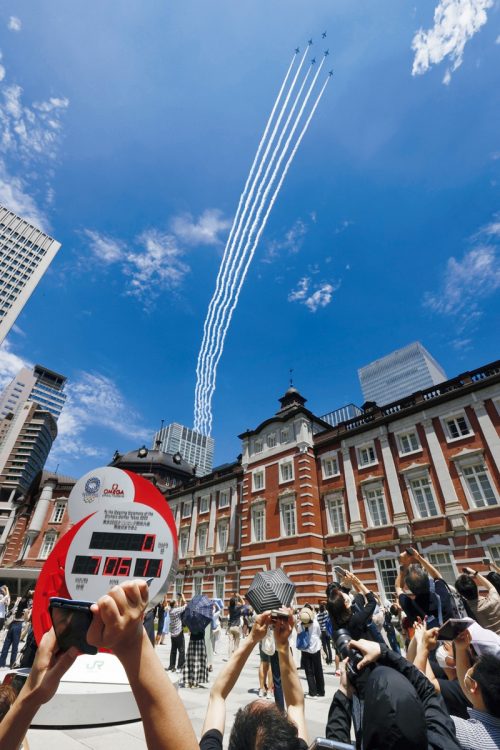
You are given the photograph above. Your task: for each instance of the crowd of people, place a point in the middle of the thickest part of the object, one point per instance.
(405, 680)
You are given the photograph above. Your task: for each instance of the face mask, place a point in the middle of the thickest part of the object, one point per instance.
(441, 655)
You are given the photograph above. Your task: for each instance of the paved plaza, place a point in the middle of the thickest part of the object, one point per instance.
(131, 736)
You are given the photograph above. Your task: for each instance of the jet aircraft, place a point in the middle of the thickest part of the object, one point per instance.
(323, 35)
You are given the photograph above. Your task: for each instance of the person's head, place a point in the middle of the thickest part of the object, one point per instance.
(262, 726)
(417, 580)
(306, 616)
(232, 602)
(322, 607)
(467, 587)
(172, 603)
(482, 684)
(333, 586)
(394, 610)
(445, 656)
(393, 717)
(339, 607)
(7, 698)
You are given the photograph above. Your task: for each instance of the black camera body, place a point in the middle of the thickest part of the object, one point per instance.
(341, 640)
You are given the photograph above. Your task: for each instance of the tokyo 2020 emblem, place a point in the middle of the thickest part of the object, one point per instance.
(91, 490)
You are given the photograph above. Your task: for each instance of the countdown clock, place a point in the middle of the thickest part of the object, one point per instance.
(128, 532)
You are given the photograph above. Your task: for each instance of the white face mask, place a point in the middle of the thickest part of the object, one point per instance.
(441, 654)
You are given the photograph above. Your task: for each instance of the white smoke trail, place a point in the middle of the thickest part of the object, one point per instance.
(256, 242)
(228, 261)
(231, 281)
(220, 337)
(220, 275)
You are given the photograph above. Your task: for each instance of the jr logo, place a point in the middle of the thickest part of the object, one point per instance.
(95, 665)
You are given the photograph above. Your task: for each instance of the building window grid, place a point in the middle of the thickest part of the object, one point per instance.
(183, 543)
(457, 427)
(202, 539)
(286, 471)
(219, 580)
(376, 506)
(198, 585)
(271, 440)
(223, 499)
(204, 503)
(423, 496)
(288, 519)
(335, 507)
(388, 571)
(258, 480)
(258, 523)
(478, 482)
(444, 564)
(494, 552)
(186, 510)
(366, 455)
(58, 514)
(330, 466)
(49, 541)
(222, 536)
(408, 442)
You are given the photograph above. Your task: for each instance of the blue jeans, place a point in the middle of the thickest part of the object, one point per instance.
(11, 639)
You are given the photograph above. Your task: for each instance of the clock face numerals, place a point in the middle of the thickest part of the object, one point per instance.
(119, 542)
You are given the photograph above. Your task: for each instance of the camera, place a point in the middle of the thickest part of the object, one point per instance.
(279, 613)
(341, 643)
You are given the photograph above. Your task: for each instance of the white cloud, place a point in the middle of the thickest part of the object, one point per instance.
(204, 231)
(94, 400)
(313, 297)
(455, 22)
(156, 266)
(497, 40)
(105, 249)
(30, 133)
(10, 364)
(291, 243)
(466, 282)
(13, 195)
(153, 262)
(14, 24)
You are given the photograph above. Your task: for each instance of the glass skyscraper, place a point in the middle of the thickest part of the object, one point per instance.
(38, 384)
(195, 448)
(399, 374)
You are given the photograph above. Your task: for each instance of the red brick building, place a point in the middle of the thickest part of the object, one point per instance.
(424, 471)
(305, 496)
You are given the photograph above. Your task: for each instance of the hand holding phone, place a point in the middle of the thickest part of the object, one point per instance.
(71, 620)
(340, 571)
(453, 627)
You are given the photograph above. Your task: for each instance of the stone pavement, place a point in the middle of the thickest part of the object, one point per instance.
(131, 736)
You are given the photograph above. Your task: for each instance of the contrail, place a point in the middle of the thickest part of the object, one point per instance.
(256, 242)
(228, 252)
(231, 281)
(209, 388)
(220, 275)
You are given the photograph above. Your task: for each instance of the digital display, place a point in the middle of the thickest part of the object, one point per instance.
(117, 566)
(85, 565)
(126, 542)
(148, 568)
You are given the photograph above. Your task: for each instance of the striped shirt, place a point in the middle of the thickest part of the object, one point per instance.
(481, 730)
(175, 620)
(322, 618)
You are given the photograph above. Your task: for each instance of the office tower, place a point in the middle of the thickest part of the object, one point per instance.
(25, 254)
(37, 384)
(26, 438)
(343, 414)
(399, 374)
(195, 448)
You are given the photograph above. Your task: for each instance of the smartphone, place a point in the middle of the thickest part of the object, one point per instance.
(339, 571)
(71, 620)
(451, 628)
(486, 561)
(410, 551)
(320, 743)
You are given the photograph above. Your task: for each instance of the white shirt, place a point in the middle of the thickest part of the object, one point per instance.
(314, 637)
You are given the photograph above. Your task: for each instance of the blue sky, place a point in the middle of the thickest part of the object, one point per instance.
(128, 129)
